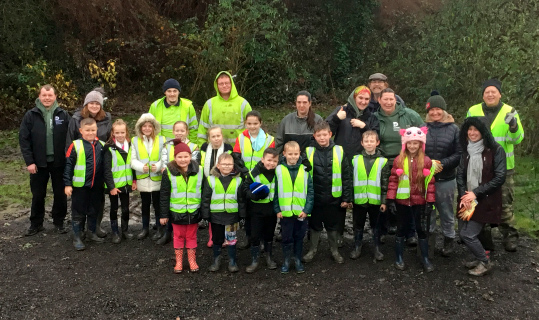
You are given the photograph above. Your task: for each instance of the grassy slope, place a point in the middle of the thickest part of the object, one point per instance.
(14, 181)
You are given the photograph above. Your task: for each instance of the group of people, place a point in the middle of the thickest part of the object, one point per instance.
(373, 156)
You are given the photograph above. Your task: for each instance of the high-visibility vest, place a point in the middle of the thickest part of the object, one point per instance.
(230, 121)
(500, 131)
(336, 174)
(292, 195)
(403, 188)
(170, 149)
(263, 180)
(222, 200)
(368, 189)
(185, 196)
(248, 154)
(121, 169)
(154, 157)
(79, 172)
(168, 116)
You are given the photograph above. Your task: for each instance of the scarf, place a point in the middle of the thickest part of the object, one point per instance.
(260, 140)
(124, 146)
(207, 161)
(475, 165)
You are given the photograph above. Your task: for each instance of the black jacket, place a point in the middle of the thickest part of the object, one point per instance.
(32, 137)
(443, 145)
(223, 218)
(104, 128)
(109, 148)
(322, 176)
(164, 200)
(95, 165)
(369, 160)
(347, 136)
(258, 209)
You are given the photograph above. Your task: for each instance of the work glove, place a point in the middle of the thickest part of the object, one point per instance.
(510, 118)
(258, 191)
(466, 214)
(391, 207)
(305, 161)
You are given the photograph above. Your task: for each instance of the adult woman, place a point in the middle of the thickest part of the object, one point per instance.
(444, 149)
(348, 122)
(93, 107)
(298, 126)
(480, 176)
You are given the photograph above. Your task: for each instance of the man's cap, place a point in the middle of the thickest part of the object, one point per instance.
(378, 76)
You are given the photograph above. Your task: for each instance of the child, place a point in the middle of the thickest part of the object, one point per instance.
(259, 187)
(118, 169)
(332, 189)
(181, 132)
(480, 176)
(411, 187)
(222, 204)
(293, 202)
(181, 194)
(83, 179)
(213, 149)
(250, 146)
(371, 176)
(146, 149)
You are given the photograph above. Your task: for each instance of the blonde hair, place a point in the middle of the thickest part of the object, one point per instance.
(185, 125)
(214, 128)
(290, 145)
(119, 122)
(224, 156)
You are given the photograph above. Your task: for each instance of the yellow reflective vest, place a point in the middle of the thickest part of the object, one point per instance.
(168, 116)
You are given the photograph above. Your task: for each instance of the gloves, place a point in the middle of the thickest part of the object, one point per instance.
(510, 118)
(391, 207)
(429, 208)
(260, 190)
(305, 161)
(466, 215)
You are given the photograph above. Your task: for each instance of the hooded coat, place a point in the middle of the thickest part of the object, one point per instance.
(146, 184)
(344, 133)
(443, 145)
(227, 114)
(489, 191)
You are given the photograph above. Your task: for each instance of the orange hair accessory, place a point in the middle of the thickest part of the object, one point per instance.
(361, 89)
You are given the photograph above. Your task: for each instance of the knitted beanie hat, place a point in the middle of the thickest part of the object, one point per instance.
(171, 84)
(492, 83)
(181, 147)
(436, 101)
(413, 134)
(93, 96)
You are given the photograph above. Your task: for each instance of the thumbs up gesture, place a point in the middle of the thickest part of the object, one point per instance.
(510, 118)
(341, 114)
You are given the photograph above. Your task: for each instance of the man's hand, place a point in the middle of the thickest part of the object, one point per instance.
(356, 123)
(510, 118)
(302, 215)
(115, 191)
(32, 168)
(163, 221)
(341, 114)
(68, 190)
(345, 204)
(280, 215)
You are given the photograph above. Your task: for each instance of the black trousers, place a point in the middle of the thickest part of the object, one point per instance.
(408, 216)
(85, 203)
(327, 216)
(218, 234)
(124, 201)
(38, 186)
(360, 216)
(262, 227)
(147, 199)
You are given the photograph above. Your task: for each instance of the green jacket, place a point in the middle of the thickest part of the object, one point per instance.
(227, 114)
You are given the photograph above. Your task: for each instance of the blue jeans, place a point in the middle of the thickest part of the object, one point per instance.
(293, 230)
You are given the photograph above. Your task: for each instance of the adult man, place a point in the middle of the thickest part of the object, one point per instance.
(507, 130)
(226, 110)
(172, 108)
(377, 83)
(42, 138)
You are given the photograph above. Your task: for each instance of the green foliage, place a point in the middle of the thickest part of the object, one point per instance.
(527, 195)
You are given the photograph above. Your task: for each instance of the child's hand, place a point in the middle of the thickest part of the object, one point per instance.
(134, 186)
(154, 167)
(146, 169)
(115, 191)
(280, 215)
(68, 190)
(344, 205)
(383, 208)
(163, 221)
(302, 215)
(162, 170)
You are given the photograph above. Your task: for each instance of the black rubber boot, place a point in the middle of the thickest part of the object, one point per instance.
(449, 247)
(115, 232)
(358, 243)
(145, 232)
(232, 265)
(378, 255)
(298, 251)
(315, 239)
(77, 242)
(399, 249)
(214, 267)
(424, 246)
(287, 253)
(98, 230)
(332, 238)
(160, 233)
(269, 256)
(255, 252)
(167, 237)
(125, 227)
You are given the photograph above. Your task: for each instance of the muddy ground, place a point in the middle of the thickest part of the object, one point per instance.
(43, 277)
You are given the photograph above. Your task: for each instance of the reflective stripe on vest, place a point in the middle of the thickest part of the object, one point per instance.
(368, 189)
(79, 172)
(185, 196)
(292, 195)
(499, 130)
(167, 121)
(121, 170)
(271, 185)
(226, 126)
(336, 175)
(249, 156)
(222, 200)
(403, 189)
(170, 149)
(153, 158)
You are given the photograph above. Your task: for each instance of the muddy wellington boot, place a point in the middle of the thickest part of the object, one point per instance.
(287, 253)
(424, 247)
(77, 242)
(160, 233)
(178, 268)
(232, 265)
(269, 256)
(358, 243)
(378, 255)
(449, 246)
(481, 269)
(125, 227)
(145, 228)
(315, 239)
(92, 227)
(332, 238)
(214, 267)
(255, 253)
(167, 237)
(399, 249)
(298, 251)
(98, 230)
(115, 232)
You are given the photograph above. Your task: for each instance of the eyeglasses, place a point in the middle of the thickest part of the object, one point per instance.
(226, 164)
